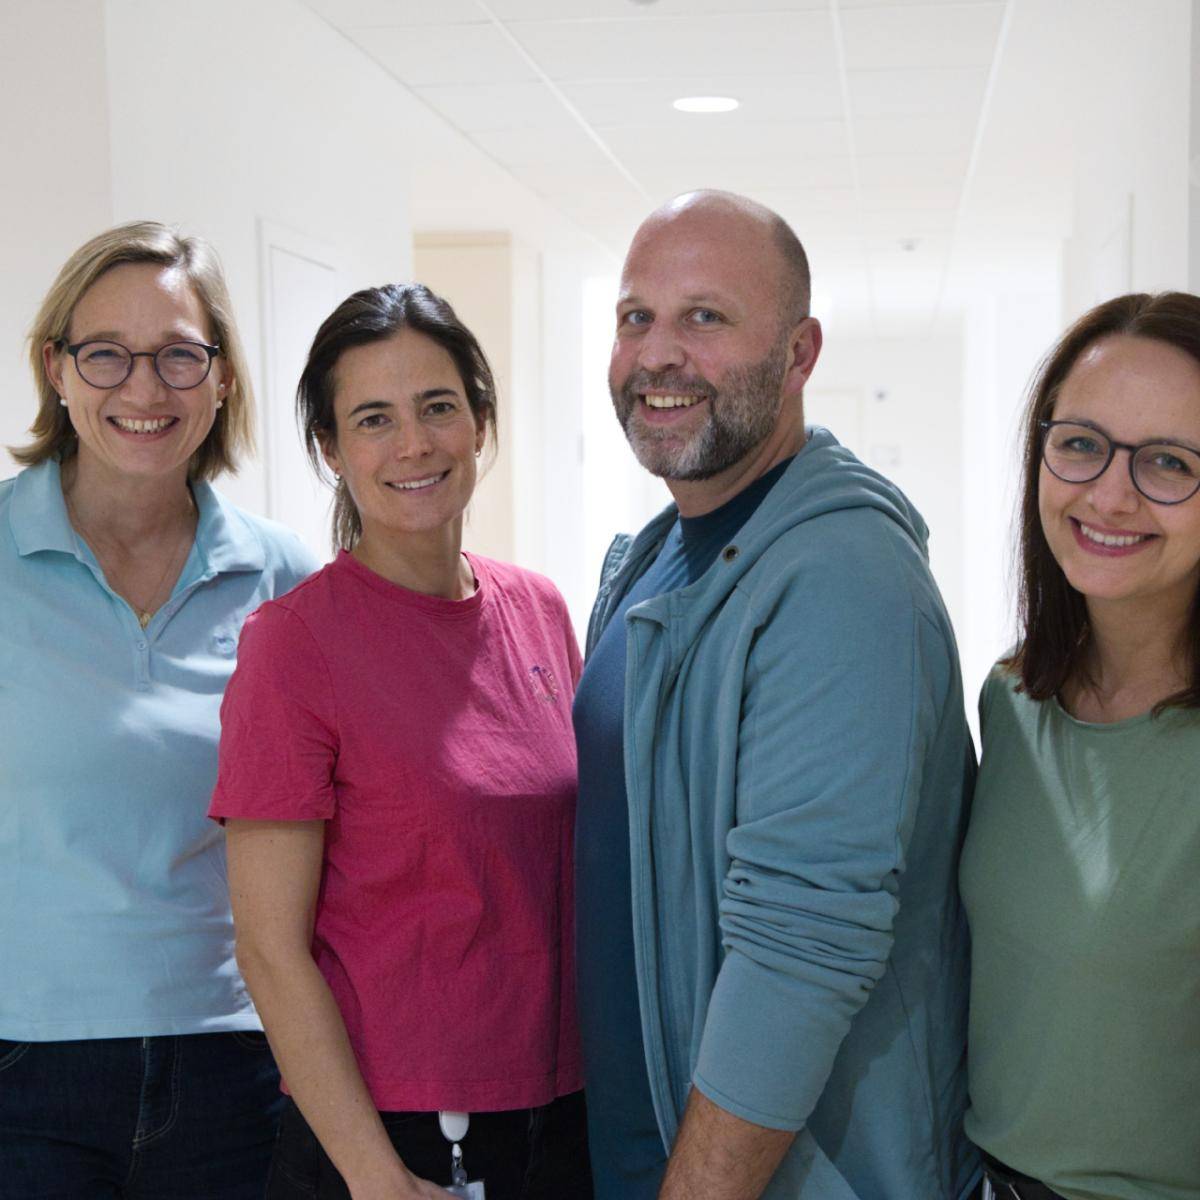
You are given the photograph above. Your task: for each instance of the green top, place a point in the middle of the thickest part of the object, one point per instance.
(1081, 877)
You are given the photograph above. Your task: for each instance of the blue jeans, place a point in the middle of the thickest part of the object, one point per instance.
(160, 1118)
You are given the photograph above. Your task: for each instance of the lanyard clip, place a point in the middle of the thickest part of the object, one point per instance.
(454, 1125)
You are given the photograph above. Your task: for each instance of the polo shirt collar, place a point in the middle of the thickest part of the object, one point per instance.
(38, 514)
(39, 521)
(223, 536)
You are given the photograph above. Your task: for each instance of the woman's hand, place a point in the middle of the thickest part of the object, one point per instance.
(424, 1190)
(405, 1187)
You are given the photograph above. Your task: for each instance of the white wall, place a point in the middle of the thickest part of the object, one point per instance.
(1194, 155)
(57, 189)
(1130, 227)
(898, 404)
(271, 115)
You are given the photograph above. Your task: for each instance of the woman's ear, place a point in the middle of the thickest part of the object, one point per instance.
(329, 453)
(52, 360)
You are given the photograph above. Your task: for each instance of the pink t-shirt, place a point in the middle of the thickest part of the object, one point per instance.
(434, 737)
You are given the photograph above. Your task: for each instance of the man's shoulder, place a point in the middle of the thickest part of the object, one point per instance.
(848, 549)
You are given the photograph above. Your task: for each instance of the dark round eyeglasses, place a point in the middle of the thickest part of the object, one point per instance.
(180, 365)
(1164, 472)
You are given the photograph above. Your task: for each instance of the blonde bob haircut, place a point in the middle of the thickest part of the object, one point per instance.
(141, 242)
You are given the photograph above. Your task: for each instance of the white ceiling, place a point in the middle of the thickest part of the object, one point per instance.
(861, 121)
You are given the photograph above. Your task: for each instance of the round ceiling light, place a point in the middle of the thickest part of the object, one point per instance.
(705, 104)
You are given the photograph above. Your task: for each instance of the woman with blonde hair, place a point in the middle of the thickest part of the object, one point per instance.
(1079, 870)
(131, 1058)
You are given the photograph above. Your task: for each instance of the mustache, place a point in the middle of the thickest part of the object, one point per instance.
(667, 381)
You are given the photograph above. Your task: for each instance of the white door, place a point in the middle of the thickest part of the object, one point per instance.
(300, 289)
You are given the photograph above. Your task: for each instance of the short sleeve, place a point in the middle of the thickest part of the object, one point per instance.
(279, 738)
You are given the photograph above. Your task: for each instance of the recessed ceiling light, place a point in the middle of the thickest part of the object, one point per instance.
(705, 104)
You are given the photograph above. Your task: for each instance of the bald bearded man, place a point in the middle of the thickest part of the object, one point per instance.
(773, 763)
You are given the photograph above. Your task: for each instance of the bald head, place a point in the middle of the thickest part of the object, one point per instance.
(725, 217)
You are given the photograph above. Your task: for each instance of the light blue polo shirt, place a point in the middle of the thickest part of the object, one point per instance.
(114, 907)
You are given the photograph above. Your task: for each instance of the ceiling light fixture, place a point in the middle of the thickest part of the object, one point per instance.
(705, 104)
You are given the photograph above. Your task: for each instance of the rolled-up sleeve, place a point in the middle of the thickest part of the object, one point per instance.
(842, 691)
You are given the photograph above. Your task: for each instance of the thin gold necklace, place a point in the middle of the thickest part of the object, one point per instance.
(144, 613)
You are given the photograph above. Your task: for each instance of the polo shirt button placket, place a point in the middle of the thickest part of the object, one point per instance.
(141, 664)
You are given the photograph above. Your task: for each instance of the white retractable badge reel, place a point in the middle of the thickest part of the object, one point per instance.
(454, 1126)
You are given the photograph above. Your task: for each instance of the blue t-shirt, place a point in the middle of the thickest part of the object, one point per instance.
(628, 1157)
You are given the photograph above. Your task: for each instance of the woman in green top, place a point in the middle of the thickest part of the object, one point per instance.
(1081, 870)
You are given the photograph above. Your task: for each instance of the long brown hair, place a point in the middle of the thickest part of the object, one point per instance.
(1055, 632)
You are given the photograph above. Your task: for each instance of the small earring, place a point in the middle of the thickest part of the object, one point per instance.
(63, 401)
(220, 403)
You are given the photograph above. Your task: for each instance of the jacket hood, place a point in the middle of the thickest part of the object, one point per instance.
(824, 477)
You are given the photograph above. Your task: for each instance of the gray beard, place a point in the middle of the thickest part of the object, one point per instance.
(740, 416)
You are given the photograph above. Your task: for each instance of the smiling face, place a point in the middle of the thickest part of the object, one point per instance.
(142, 427)
(705, 371)
(1112, 543)
(406, 438)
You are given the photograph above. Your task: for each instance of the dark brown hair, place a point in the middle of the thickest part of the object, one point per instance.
(141, 242)
(1052, 614)
(374, 315)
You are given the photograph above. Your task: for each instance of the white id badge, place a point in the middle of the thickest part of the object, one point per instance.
(468, 1191)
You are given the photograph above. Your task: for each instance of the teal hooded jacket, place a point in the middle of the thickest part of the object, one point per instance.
(798, 766)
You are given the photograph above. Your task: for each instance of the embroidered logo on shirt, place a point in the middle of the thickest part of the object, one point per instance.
(545, 686)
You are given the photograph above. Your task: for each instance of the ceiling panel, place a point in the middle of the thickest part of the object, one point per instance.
(588, 10)
(897, 170)
(768, 173)
(562, 142)
(813, 201)
(441, 55)
(486, 106)
(562, 178)
(347, 13)
(898, 227)
(518, 10)
(939, 36)
(606, 102)
(906, 3)
(921, 198)
(729, 141)
(916, 93)
(761, 44)
(915, 135)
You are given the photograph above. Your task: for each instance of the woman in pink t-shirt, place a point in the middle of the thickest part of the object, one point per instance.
(397, 773)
